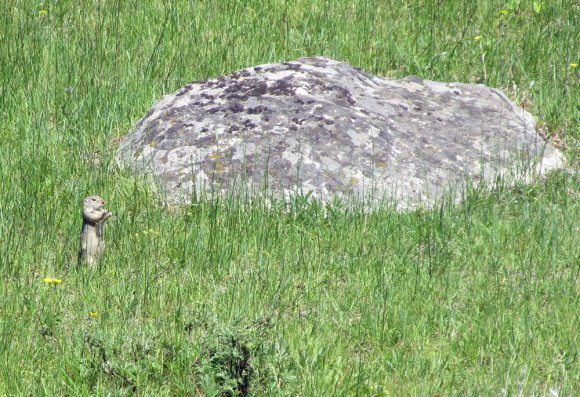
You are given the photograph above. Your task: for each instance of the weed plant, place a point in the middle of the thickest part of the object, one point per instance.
(223, 297)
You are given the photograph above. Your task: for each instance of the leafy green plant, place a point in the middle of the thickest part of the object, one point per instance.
(237, 361)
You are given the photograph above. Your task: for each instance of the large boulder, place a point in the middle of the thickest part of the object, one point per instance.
(320, 126)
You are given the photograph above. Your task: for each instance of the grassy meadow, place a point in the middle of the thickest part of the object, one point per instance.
(225, 298)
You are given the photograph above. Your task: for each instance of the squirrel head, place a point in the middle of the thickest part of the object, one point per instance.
(94, 202)
(93, 210)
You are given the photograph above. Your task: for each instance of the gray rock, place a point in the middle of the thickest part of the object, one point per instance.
(321, 126)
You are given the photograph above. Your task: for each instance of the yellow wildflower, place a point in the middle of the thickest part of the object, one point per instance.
(43, 12)
(477, 38)
(504, 12)
(93, 314)
(573, 65)
(50, 280)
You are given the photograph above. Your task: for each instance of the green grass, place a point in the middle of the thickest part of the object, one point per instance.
(478, 298)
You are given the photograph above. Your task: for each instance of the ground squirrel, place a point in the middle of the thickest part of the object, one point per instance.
(92, 238)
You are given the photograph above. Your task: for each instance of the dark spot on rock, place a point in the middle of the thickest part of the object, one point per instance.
(205, 141)
(292, 66)
(439, 119)
(295, 120)
(169, 132)
(403, 106)
(345, 94)
(241, 97)
(236, 108)
(258, 69)
(429, 113)
(417, 108)
(213, 110)
(207, 96)
(310, 101)
(329, 122)
(234, 87)
(319, 62)
(456, 92)
(204, 129)
(256, 110)
(293, 128)
(233, 128)
(184, 90)
(324, 87)
(281, 87)
(248, 124)
(257, 88)
(299, 101)
(266, 118)
(320, 125)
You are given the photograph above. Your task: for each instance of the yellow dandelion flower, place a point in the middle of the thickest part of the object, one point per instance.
(50, 280)
(573, 65)
(43, 12)
(504, 12)
(93, 314)
(477, 38)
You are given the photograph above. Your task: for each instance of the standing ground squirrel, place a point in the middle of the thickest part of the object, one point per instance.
(92, 238)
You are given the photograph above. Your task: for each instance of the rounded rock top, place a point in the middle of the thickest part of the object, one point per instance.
(322, 127)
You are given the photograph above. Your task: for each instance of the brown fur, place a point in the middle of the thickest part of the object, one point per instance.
(92, 237)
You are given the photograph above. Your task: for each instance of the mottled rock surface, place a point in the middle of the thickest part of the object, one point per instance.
(321, 126)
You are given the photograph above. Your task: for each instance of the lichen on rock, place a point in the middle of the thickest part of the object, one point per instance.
(320, 126)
